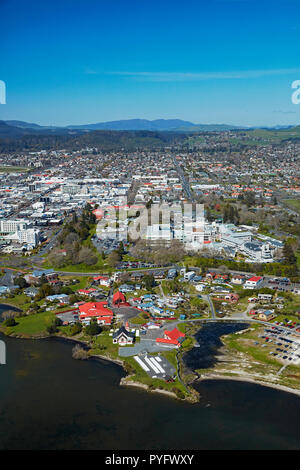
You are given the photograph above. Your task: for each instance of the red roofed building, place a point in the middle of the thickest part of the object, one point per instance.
(171, 338)
(119, 300)
(253, 283)
(96, 310)
(89, 291)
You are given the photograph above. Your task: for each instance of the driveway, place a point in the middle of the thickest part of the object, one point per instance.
(147, 345)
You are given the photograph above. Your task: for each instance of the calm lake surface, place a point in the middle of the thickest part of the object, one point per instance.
(50, 401)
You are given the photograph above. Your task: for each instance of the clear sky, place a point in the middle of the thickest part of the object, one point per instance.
(214, 61)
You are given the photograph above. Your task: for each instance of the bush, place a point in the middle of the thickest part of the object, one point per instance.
(51, 329)
(75, 329)
(79, 353)
(178, 393)
(93, 329)
(10, 322)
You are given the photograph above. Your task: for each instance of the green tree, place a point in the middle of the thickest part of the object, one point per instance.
(288, 254)
(93, 328)
(10, 322)
(149, 281)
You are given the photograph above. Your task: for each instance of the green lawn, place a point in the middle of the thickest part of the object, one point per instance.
(32, 324)
(13, 169)
(82, 267)
(20, 301)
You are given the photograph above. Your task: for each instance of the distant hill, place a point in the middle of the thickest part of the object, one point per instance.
(176, 125)
(173, 125)
(20, 128)
(7, 131)
(136, 125)
(24, 125)
(209, 128)
(76, 140)
(21, 136)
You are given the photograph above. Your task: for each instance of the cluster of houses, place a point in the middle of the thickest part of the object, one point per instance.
(158, 306)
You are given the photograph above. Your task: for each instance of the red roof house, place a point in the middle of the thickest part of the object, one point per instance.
(97, 310)
(171, 338)
(89, 291)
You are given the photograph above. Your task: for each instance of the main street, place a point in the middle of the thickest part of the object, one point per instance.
(185, 185)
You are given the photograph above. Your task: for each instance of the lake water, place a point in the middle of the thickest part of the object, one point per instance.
(50, 401)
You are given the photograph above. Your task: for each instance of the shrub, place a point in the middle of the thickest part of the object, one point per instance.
(79, 353)
(93, 329)
(75, 329)
(10, 322)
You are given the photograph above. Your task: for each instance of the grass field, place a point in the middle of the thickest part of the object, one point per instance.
(32, 324)
(13, 169)
(293, 204)
(265, 136)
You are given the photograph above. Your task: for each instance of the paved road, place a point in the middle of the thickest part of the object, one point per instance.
(243, 319)
(211, 305)
(185, 184)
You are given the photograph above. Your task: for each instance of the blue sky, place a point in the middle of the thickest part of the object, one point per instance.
(215, 61)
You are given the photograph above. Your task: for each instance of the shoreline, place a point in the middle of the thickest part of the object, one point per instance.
(248, 379)
(17, 309)
(124, 380)
(124, 383)
(209, 376)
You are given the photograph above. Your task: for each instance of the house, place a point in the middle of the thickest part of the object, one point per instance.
(221, 277)
(87, 292)
(123, 337)
(171, 338)
(150, 325)
(189, 275)
(95, 310)
(210, 276)
(37, 275)
(232, 298)
(4, 290)
(61, 298)
(56, 282)
(265, 297)
(136, 276)
(267, 315)
(102, 281)
(31, 291)
(126, 288)
(254, 282)
(238, 279)
(119, 300)
(158, 275)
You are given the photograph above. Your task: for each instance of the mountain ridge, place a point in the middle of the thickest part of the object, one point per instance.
(132, 125)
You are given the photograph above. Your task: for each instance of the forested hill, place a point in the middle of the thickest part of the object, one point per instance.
(103, 140)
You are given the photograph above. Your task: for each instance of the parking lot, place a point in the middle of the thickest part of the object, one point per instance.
(283, 285)
(106, 245)
(155, 366)
(283, 345)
